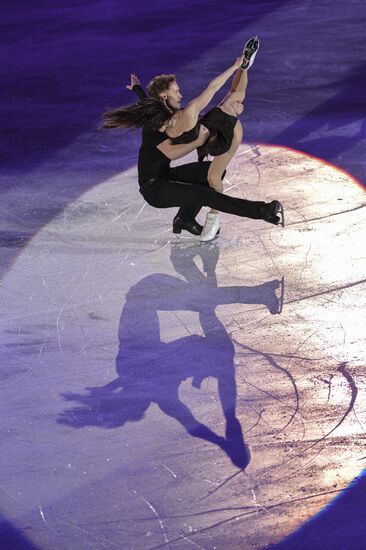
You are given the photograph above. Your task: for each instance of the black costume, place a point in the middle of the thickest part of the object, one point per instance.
(194, 172)
(153, 164)
(165, 187)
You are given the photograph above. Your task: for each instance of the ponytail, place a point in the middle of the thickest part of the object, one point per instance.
(148, 112)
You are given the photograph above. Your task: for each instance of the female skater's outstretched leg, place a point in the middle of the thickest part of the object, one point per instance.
(220, 162)
(235, 96)
(232, 105)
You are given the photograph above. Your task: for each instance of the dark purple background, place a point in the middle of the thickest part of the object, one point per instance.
(63, 63)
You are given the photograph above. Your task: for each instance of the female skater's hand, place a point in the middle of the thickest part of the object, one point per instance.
(202, 136)
(134, 81)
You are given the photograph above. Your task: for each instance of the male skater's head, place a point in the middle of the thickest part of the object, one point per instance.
(165, 88)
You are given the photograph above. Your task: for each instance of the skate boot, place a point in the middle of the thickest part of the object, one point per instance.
(250, 51)
(188, 225)
(211, 227)
(273, 213)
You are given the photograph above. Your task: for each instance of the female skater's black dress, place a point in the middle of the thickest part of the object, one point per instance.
(221, 126)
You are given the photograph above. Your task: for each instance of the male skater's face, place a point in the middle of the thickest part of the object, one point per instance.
(172, 96)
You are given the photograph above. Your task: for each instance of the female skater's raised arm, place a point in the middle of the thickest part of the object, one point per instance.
(189, 115)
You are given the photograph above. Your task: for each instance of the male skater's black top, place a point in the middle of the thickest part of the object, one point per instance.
(152, 162)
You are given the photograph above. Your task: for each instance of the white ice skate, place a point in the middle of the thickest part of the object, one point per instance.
(211, 227)
(250, 51)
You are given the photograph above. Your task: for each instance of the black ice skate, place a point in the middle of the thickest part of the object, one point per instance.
(273, 213)
(188, 225)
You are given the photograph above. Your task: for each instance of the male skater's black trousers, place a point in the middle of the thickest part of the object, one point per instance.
(188, 188)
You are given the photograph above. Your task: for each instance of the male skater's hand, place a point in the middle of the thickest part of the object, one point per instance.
(134, 81)
(202, 136)
(237, 107)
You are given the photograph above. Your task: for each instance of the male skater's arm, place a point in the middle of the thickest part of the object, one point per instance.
(136, 87)
(174, 152)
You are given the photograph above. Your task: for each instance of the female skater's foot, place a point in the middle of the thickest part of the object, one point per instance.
(211, 227)
(189, 225)
(272, 212)
(250, 51)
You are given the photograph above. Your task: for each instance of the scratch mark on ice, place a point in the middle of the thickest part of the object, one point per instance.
(154, 511)
(257, 505)
(192, 542)
(45, 521)
(169, 470)
(137, 215)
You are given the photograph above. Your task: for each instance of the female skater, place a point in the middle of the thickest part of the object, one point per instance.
(226, 132)
(155, 156)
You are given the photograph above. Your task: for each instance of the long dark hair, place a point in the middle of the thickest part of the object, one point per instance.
(148, 112)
